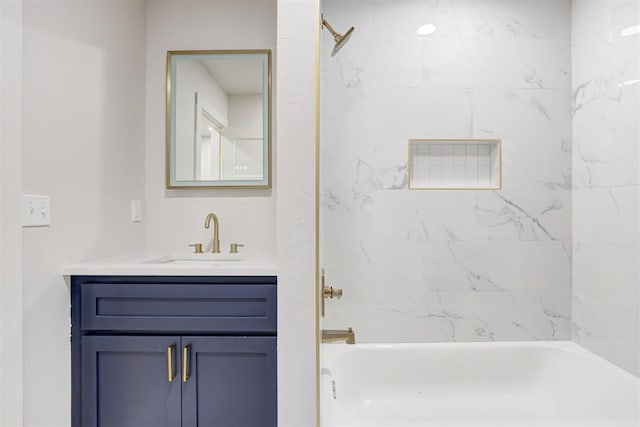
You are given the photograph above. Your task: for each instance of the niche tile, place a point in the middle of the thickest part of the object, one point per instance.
(444, 164)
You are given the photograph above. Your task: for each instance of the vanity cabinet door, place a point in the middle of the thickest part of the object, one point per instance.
(231, 382)
(126, 381)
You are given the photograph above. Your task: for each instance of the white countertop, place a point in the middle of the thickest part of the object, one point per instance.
(142, 264)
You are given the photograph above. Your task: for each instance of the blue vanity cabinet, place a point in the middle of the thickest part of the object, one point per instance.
(125, 382)
(228, 381)
(173, 351)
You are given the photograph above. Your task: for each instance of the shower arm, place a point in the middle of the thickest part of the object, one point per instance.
(337, 36)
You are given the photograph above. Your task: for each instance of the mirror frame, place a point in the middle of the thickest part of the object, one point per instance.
(171, 183)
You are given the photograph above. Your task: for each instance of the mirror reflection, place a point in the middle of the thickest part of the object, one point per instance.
(219, 119)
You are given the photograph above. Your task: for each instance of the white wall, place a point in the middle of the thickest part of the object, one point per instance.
(245, 122)
(192, 77)
(83, 129)
(245, 110)
(606, 178)
(2, 262)
(297, 32)
(11, 322)
(175, 218)
(448, 265)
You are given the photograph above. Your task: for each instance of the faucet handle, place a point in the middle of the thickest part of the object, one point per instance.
(197, 248)
(234, 248)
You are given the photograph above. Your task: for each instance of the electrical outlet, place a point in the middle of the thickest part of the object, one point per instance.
(36, 211)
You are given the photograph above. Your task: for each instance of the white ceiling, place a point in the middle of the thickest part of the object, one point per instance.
(237, 76)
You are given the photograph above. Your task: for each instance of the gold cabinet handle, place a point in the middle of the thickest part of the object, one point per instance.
(185, 363)
(170, 371)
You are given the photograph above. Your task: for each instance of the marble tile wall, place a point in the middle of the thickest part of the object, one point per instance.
(606, 121)
(461, 265)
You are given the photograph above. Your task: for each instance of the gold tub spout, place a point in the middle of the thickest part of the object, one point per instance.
(347, 335)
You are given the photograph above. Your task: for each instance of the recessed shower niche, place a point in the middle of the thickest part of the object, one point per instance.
(455, 164)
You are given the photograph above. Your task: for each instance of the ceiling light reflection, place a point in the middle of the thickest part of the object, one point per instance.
(630, 31)
(426, 29)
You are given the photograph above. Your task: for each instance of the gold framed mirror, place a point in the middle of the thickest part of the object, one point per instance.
(218, 120)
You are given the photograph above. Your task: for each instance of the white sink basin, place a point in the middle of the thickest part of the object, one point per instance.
(194, 259)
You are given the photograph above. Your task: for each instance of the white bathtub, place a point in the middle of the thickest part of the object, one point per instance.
(474, 384)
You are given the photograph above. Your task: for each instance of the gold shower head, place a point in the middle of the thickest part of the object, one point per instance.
(339, 38)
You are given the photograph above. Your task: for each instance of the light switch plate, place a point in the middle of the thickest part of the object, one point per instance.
(136, 211)
(36, 210)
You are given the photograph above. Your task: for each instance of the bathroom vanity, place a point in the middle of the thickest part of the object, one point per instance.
(185, 346)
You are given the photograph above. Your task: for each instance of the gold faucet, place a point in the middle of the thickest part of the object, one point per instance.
(330, 335)
(215, 247)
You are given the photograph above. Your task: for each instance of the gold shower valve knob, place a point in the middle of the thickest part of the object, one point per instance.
(331, 292)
